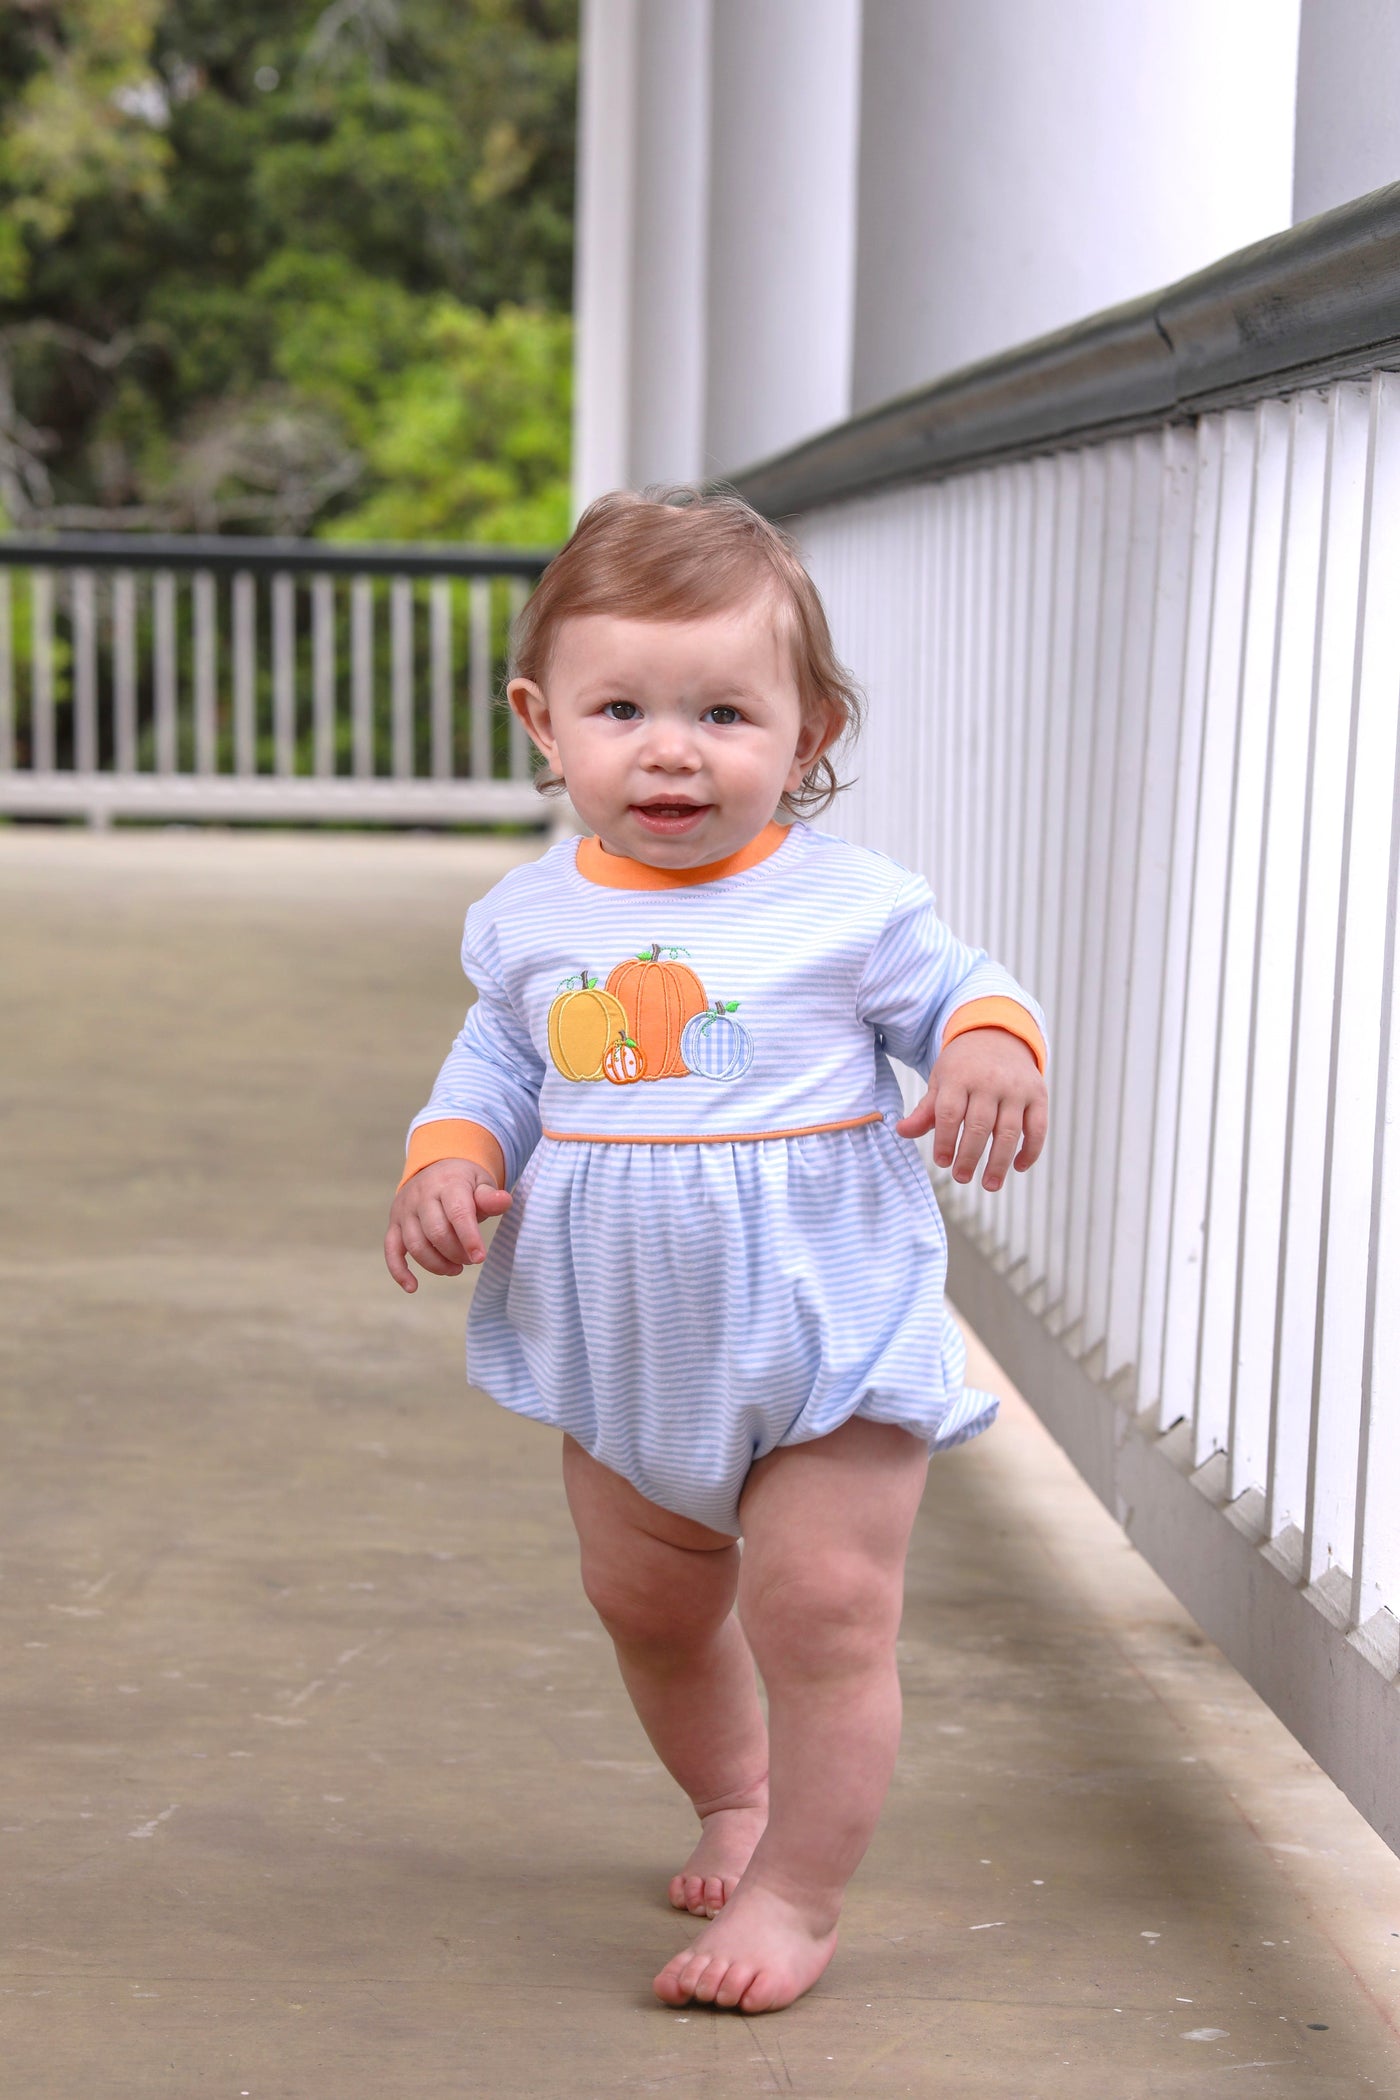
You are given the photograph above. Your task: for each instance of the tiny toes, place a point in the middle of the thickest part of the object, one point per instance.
(738, 1980)
(709, 1983)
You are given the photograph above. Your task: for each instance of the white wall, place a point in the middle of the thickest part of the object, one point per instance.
(782, 223)
(1348, 102)
(603, 262)
(1024, 163)
(793, 210)
(670, 232)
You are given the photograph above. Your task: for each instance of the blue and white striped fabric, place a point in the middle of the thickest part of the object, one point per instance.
(691, 1275)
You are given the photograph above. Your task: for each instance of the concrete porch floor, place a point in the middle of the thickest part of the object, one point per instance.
(318, 1781)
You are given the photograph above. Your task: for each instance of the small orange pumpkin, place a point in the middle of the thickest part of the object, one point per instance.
(625, 1063)
(582, 1022)
(658, 999)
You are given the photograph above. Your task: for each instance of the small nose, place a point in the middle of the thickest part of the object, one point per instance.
(671, 747)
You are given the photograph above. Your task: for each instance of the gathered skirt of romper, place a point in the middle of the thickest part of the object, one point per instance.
(683, 1309)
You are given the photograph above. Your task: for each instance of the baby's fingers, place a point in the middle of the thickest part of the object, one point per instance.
(979, 1120)
(1033, 1133)
(461, 1230)
(921, 1117)
(1005, 1139)
(950, 1106)
(394, 1257)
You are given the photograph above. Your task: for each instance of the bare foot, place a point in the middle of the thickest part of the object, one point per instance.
(711, 1874)
(760, 1954)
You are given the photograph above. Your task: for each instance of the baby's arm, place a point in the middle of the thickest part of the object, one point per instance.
(479, 1127)
(950, 1011)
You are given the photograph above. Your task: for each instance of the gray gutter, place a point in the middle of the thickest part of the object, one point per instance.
(1319, 302)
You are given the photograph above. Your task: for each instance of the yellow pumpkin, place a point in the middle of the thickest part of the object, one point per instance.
(583, 1022)
(658, 999)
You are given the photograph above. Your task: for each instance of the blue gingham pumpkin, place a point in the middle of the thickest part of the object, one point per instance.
(716, 1047)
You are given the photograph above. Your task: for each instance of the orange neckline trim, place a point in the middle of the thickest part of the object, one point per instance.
(616, 871)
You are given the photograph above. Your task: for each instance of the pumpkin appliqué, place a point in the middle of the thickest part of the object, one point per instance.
(625, 1062)
(658, 996)
(716, 1047)
(583, 1023)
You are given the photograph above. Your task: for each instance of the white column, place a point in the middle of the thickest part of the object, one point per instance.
(668, 274)
(1024, 163)
(1348, 102)
(603, 252)
(785, 85)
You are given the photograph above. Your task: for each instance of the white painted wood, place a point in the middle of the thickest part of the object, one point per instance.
(226, 798)
(1175, 952)
(1259, 1326)
(206, 643)
(284, 698)
(1181, 1392)
(84, 671)
(479, 677)
(124, 671)
(603, 258)
(1307, 1120)
(1357, 1005)
(1376, 1552)
(362, 677)
(1067, 998)
(245, 643)
(401, 674)
(1058, 679)
(166, 695)
(41, 737)
(1098, 994)
(516, 594)
(1100, 687)
(1239, 880)
(1153, 821)
(1280, 1636)
(323, 676)
(440, 675)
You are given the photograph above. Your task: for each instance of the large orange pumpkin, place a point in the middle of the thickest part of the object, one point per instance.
(582, 1023)
(658, 999)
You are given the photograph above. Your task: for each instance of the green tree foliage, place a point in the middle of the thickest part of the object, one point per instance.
(293, 266)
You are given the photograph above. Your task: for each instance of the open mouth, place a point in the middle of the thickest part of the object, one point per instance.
(669, 814)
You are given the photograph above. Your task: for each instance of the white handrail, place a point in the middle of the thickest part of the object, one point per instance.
(1134, 712)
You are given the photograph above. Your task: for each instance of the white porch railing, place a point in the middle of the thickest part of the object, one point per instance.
(292, 681)
(1134, 712)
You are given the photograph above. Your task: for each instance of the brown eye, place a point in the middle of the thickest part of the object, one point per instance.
(724, 716)
(621, 710)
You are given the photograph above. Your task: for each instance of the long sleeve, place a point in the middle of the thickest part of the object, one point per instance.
(492, 1074)
(919, 976)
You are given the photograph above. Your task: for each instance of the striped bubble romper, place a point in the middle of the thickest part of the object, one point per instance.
(717, 1244)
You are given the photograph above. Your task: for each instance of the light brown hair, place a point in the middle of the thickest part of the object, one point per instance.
(678, 554)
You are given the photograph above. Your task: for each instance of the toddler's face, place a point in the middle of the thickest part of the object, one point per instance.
(675, 738)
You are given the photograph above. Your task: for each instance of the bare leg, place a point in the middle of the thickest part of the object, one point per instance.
(826, 1529)
(664, 1588)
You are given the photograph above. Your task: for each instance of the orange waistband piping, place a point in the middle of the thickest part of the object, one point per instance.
(719, 1137)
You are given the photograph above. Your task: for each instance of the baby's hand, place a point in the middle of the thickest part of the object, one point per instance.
(434, 1218)
(987, 1084)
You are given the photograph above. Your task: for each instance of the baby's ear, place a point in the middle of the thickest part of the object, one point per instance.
(819, 730)
(528, 702)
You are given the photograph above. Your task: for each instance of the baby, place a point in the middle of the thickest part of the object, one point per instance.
(719, 1267)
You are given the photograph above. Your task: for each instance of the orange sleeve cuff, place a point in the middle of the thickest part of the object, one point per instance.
(451, 1138)
(998, 1013)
